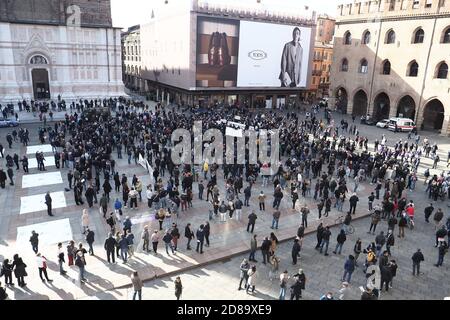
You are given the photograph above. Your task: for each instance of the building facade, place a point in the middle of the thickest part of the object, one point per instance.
(196, 54)
(322, 60)
(58, 47)
(325, 28)
(391, 59)
(131, 59)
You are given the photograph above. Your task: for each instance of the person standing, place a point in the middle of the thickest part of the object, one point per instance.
(442, 250)
(319, 234)
(48, 202)
(168, 242)
(110, 246)
(80, 262)
(344, 291)
(325, 240)
(69, 178)
(6, 270)
(19, 270)
(207, 230)
(244, 267)
(123, 244)
(2, 178)
(130, 241)
(25, 163)
(284, 278)
(175, 233)
(353, 201)
(437, 218)
(296, 289)
(200, 234)
(251, 221)
(253, 248)
(60, 255)
(137, 285)
(295, 251)
(34, 239)
(428, 211)
(70, 252)
(201, 187)
(189, 234)
(85, 220)
(146, 237)
(349, 267)
(276, 217)
(252, 276)
(155, 239)
(178, 286)
(90, 238)
(238, 206)
(305, 212)
(10, 172)
(417, 258)
(265, 247)
(247, 195)
(42, 265)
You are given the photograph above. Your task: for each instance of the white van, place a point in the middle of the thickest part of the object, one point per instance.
(401, 124)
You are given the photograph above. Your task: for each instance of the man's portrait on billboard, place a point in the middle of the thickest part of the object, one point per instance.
(291, 61)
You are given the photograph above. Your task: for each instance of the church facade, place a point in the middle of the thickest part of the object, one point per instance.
(58, 47)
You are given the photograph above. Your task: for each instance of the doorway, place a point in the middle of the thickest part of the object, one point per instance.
(41, 85)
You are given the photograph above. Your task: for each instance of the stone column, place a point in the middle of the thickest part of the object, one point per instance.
(445, 126)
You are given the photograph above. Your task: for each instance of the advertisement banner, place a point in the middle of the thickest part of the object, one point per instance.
(273, 55)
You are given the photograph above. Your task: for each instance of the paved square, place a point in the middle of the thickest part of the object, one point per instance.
(37, 202)
(41, 179)
(49, 162)
(46, 148)
(50, 233)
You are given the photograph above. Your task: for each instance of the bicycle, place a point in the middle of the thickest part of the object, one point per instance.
(349, 229)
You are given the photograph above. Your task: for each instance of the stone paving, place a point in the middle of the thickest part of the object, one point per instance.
(227, 239)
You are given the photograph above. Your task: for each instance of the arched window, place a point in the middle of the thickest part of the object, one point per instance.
(442, 71)
(348, 38)
(446, 38)
(363, 66)
(419, 35)
(38, 59)
(413, 69)
(386, 67)
(344, 65)
(366, 37)
(390, 37)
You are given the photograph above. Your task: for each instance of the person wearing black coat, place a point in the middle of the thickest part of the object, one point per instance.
(341, 238)
(90, 238)
(386, 277)
(89, 194)
(207, 230)
(107, 188)
(6, 270)
(19, 270)
(110, 245)
(295, 251)
(200, 238)
(10, 175)
(319, 233)
(296, 290)
(251, 221)
(417, 258)
(265, 248)
(189, 234)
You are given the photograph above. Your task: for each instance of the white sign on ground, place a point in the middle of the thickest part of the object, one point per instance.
(49, 162)
(43, 147)
(37, 202)
(41, 179)
(50, 233)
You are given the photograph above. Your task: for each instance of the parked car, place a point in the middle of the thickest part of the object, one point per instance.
(5, 122)
(401, 125)
(383, 123)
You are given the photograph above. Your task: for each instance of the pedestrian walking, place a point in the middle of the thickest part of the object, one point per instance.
(341, 238)
(325, 240)
(48, 202)
(275, 219)
(137, 285)
(251, 221)
(284, 278)
(168, 242)
(442, 251)
(110, 246)
(6, 270)
(80, 262)
(90, 238)
(200, 234)
(42, 266)
(19, 270)
(34, 240)
(146, 238)
(71, 252)
(319, 234)
(295, 251)
(179, 285)
(123, 245)
(349, 267)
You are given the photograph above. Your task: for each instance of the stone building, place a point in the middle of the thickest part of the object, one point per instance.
(58, 47)
(391, 59)
(131, 58)
(322, 60)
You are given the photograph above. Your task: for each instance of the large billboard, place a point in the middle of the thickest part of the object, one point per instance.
(245, 54)
(273, 55)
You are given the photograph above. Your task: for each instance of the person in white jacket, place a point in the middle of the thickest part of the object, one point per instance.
(85, 220)
(42, 265)
(252, 276)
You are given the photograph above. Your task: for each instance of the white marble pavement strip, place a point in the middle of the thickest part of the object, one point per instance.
(41, 179)
(50, 233)
(49, 162)
(43, 147)
(37, 202)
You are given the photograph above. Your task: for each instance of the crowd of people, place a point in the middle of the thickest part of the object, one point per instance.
(318, 161)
